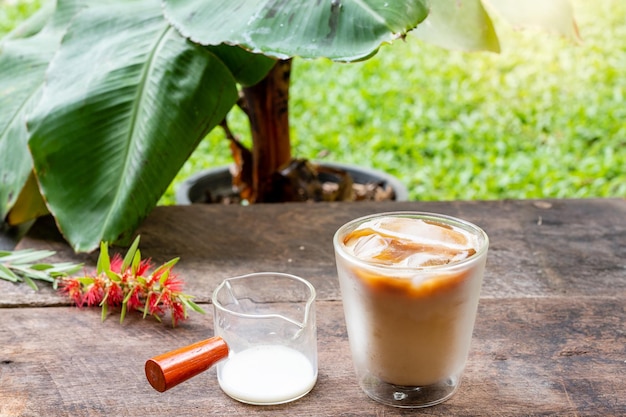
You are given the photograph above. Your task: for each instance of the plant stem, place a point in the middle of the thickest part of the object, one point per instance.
(267, 103)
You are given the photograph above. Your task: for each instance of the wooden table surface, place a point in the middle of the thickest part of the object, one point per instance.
(550, 337)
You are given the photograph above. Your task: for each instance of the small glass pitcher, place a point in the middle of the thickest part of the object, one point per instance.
(265, 343)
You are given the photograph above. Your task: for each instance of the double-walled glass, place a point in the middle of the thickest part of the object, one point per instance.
(268, 322)
(410, 323)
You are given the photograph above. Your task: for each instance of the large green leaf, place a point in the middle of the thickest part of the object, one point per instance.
(24, 57)
(22, 67)
(343, 30)
(455, 24)
(126, 101)
(466, 25)
(553, 15)
(247, 68)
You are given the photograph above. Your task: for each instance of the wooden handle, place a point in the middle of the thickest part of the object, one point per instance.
(170, 369)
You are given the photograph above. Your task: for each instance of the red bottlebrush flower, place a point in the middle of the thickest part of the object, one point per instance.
(94, 294)
(132, 287)
(116, 263)
(178, 313)
(154, 305)
(115, 295)
(73, 289)
(166, 299)
(134, 302)
(173, 283)
(156, 276)
(144, 266)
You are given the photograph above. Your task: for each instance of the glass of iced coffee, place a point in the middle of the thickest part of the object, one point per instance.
(410, 284)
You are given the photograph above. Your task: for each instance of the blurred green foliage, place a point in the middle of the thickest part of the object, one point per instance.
(14, 11)
(543, 119)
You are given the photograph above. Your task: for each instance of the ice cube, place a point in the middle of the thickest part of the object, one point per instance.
(423, 231)
(369, 247)
(422, 259)
(409, 242)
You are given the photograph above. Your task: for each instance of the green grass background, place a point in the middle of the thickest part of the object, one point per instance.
(545, 118)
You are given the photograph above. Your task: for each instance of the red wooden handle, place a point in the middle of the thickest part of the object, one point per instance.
(170, 369)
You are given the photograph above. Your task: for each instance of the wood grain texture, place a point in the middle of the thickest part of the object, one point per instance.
(537, 248)
(550, 337)
(529, 357)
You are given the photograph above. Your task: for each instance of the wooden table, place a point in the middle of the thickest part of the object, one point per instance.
(550, 337)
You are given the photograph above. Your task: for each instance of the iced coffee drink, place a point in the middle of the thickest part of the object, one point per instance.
(410, 284)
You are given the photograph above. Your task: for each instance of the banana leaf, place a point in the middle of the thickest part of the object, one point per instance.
(126, 101)
(341, 30)
(24, 57)
(103, 101)
(467, 25)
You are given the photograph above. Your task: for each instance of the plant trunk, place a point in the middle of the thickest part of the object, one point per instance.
(267, 105)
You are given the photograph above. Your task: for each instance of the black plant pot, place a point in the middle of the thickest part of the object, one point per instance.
(219, 182)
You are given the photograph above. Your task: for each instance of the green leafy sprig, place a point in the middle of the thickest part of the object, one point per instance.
(26, 266)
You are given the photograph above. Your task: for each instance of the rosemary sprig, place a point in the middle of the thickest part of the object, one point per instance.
(25, 266)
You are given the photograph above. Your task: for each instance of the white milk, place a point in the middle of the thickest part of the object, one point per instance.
(267, 374)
